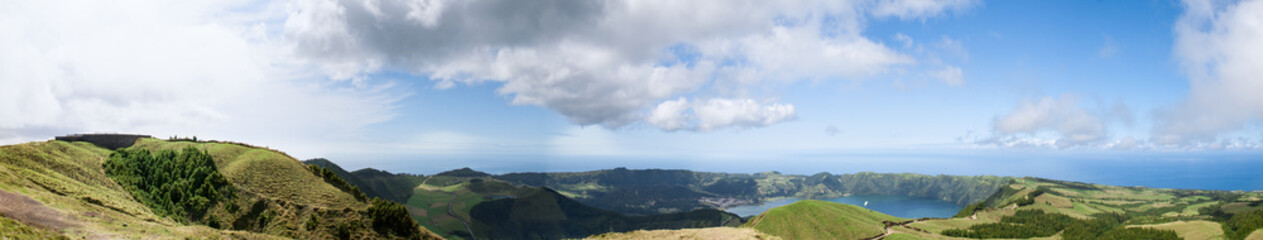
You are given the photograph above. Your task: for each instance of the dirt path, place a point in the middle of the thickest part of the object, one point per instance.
(890, 227)
(26, 210)
(458, 217)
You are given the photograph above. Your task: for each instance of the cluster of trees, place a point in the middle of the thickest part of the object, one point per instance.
(182, 185)
(332, 178)
(1037, 223)
(1022, 224)
(392, 218)
(1242, 224)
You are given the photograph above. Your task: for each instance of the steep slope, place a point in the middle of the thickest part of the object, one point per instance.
(391, 186)
(63, 188)
(342, 173)
(812, 219)
(395, 187)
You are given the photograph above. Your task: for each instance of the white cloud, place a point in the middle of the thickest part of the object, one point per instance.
(718, 113)
(187, 68)
(670, 115)
(1217, 44)
(953, 76)
(1073, 125)
(910, 9)
(595, 61)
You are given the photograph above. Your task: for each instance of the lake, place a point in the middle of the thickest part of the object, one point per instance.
(899, 206)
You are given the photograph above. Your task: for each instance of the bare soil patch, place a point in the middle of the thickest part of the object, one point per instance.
(26, 210)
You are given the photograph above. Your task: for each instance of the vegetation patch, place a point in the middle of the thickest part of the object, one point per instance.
(1242, 224)
(11, 229)
(1037, 223)
(181, 185)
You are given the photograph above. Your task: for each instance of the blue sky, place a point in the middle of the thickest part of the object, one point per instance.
(505, 85)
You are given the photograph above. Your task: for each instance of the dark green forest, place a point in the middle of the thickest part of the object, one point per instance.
(182, 185)
(1037, 223)
(1242, 224)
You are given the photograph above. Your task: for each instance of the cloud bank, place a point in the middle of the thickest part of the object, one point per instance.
(675, 65)
(1070, 124)
(187, 68)
(1217, 45)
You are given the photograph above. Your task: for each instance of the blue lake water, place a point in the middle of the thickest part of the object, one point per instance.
(899, 206)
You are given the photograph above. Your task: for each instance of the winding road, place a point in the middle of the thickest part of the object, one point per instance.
(451, 210)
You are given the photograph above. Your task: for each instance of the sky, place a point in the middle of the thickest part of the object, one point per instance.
(425, 85)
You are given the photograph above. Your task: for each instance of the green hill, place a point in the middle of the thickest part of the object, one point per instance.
(65, 188)
(812, 219)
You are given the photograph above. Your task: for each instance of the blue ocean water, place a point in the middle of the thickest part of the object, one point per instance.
(899, 206)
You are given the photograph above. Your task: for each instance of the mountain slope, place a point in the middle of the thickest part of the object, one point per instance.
(812, 219)
(62, 187)
(342, 173)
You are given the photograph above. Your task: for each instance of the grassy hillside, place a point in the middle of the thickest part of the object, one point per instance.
(697, 233)
(62, 188)
(267, 172)
(812, 219)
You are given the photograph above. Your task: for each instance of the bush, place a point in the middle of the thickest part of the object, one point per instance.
(392, 218)
(313, 222)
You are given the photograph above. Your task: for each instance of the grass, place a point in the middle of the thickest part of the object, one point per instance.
(1257, 235)
(11, 229)
(812, 219)
(433, 201)
(1240, 207)
(696, 233)
(1191, 229)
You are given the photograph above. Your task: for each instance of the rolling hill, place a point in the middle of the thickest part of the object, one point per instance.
(63, 189)
(812, 219)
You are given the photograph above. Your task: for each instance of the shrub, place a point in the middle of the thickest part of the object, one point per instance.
(392, 218)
